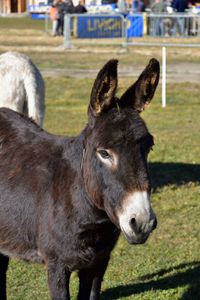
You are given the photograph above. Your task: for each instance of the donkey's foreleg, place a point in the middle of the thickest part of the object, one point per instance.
(85, 284)
(4, 260)
(96, 288)
(58, 280)
(97, 280)
(90, 282)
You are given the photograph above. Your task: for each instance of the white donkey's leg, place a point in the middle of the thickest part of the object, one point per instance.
(35, 90)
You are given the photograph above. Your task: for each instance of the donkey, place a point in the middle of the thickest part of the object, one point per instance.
(64, 201)
(21, 86)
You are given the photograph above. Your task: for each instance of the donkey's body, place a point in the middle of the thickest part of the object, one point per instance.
(54, 188)
(21, 86)
(64, 200)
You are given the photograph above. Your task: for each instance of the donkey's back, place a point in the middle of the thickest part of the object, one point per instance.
(21, 86)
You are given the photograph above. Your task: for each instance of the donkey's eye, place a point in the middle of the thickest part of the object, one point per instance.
(104, 154)
(107, 157)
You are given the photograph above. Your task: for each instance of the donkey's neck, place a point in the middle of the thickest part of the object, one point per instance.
(73, 151)
(88, 213)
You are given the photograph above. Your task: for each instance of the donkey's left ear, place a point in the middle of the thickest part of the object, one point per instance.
(104, 88)
(142, 91)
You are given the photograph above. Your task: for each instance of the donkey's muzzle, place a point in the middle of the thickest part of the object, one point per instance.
(136, 218)
(138, 227)
(139, 231)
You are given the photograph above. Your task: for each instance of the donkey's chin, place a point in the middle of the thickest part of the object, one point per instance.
(136, 239)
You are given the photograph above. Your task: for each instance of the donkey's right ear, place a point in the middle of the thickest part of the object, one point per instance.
(104, 88)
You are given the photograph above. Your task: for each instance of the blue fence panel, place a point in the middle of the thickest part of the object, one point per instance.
(135, 26)
(39, 16)
(99, 27)
(38, 11)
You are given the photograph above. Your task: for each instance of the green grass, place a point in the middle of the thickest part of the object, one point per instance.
(167, 267)
(20, 23)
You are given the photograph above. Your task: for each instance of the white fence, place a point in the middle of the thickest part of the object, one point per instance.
(124, 29)
(173, 25)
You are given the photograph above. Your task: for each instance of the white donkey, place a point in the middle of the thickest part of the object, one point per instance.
(22, 86)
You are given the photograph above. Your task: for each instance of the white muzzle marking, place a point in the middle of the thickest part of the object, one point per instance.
(135, 206)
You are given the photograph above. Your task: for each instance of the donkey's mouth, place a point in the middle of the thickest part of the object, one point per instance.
(136, 239)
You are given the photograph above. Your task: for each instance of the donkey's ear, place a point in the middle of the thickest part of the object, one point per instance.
(104, 88)
(142, 91)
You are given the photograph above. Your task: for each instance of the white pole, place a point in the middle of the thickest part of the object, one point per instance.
(67, 31)
(163, 76)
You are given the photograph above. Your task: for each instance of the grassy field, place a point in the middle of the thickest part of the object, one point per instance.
(167, 267)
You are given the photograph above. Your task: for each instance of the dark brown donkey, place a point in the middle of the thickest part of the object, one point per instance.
(63, 201)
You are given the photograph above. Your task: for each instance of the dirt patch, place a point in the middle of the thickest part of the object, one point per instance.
(179, 72)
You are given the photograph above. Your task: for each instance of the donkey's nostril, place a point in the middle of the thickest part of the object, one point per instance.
(133, 224)
(133, 221)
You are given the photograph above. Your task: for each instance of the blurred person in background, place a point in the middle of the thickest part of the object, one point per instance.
(54, 18)
(138, 6)
(64, 7)
(179, 6)
(80, 8)
(122, 7)
(158, 7)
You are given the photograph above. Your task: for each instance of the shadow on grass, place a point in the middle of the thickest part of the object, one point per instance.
(173, 173)
(189, 277)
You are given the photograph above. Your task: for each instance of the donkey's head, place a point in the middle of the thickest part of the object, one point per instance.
(117, 144)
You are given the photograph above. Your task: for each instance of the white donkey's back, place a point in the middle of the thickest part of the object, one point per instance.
(21, 86)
